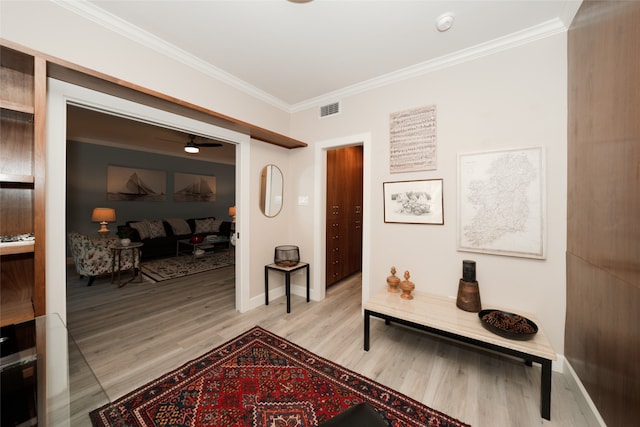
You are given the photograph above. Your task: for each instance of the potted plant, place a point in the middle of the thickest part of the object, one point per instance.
(124, 234)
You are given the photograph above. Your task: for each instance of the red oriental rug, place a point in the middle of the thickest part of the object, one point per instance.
(260, 380)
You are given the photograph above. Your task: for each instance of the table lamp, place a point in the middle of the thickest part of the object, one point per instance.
(103, 216)
(232, 213)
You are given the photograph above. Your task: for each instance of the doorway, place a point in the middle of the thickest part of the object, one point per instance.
(344, 196)
(60, 95)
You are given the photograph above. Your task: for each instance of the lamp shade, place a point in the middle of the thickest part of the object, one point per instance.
(232, 211)
(103, 214)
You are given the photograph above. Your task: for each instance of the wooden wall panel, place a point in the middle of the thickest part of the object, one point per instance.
(602, 340)
(39, 176)
(604, 137)
(16, 139)
(16, 298)
(15, 270)
(16, 216)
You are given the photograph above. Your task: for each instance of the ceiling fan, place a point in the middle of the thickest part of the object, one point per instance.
(193, 147)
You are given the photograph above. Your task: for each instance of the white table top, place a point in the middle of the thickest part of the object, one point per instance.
(288, 268)
(443, 314)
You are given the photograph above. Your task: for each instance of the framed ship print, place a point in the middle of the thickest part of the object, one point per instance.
(194, 188)
(135, 184)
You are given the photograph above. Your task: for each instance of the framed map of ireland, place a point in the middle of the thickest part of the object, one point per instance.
(501, 202)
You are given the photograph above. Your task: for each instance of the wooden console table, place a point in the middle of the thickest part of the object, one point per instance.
(440, 316)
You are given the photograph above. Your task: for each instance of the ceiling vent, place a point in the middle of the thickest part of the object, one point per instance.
(330, 109)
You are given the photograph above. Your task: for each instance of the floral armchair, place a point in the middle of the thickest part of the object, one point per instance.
(93, 257)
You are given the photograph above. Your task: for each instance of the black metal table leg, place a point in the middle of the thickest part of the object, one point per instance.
(266, 286)
(367, 321)
(287, 290)
(545, 390)
(307, 282)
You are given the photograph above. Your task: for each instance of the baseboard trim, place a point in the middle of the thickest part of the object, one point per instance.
(587, 406)
(558, 364)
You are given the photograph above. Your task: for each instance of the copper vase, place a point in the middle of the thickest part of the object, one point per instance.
(469, 296)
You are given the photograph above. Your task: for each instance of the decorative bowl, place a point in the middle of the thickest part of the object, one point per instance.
(286, 256)
(508, 325)
(196, 239)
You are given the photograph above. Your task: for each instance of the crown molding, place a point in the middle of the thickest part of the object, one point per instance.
(128, 30)
(510, 41)
(144, 38)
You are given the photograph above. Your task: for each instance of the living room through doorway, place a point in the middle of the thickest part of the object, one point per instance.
(96, 140)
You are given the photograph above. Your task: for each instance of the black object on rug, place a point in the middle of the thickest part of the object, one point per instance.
(185, 265)
(259, 379)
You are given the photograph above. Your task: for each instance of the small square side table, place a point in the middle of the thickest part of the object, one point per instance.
(116, 265)
(287, 272)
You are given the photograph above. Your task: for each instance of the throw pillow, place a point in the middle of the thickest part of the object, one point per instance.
(215, 225)
(179, 226)
(156, 229)
(208, 225)
(143, 229)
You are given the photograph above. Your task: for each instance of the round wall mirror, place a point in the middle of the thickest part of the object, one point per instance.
(271, 184)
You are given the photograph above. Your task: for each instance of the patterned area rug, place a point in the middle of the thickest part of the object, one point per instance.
(184, 265)
(260, 380)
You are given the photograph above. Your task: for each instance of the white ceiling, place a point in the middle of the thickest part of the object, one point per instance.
(298, 55)
(296, 52)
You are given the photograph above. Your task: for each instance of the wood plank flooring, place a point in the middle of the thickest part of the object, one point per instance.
(134, 334)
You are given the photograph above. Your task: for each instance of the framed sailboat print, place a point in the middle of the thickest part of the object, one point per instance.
(136, 184)
(194, 188)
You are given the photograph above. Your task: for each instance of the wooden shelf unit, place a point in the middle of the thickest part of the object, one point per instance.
(22, 156)
(22, 248)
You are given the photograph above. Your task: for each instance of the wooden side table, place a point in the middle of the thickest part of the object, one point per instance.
(287, 272)
(116, 265)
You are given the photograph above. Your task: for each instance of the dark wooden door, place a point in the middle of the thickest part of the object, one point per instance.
(344, 213)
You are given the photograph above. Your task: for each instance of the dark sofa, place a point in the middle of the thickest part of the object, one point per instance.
(163, 246)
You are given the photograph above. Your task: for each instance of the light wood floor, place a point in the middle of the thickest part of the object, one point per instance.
(131, 335)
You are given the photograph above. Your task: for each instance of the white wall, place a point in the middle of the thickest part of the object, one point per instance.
(267, 233)
(515, 98)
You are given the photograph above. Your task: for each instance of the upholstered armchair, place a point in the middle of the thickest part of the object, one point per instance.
(93, 257)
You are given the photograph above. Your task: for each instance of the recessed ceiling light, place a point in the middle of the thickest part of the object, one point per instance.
(444, 21)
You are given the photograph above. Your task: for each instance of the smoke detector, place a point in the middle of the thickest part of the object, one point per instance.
(444, 21)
